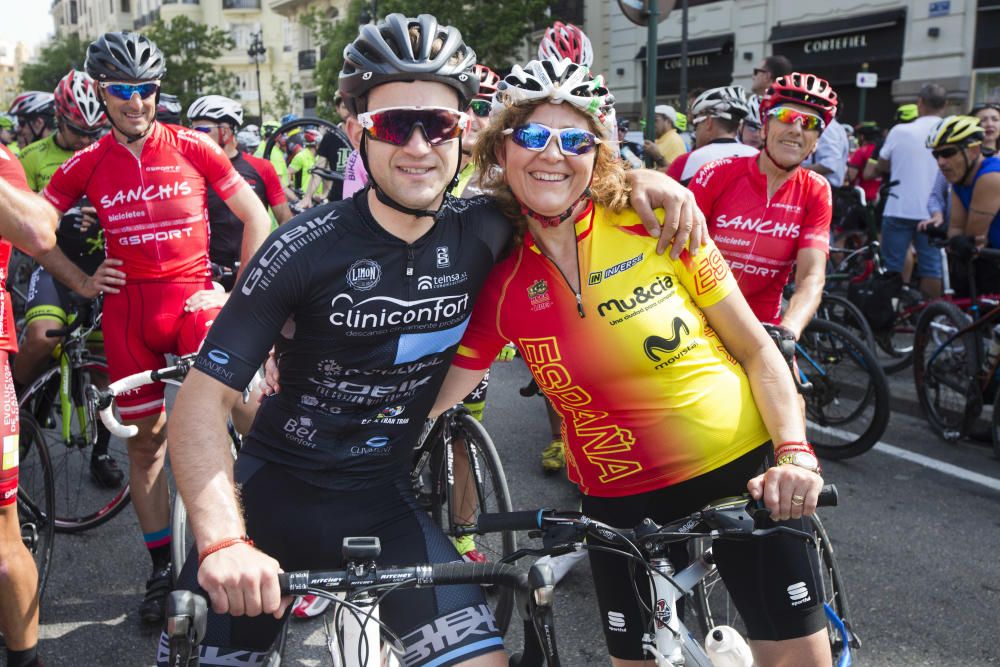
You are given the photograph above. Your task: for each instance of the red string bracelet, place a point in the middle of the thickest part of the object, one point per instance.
(222, 544)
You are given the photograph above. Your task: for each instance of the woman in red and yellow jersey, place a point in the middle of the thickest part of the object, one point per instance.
(670, 390)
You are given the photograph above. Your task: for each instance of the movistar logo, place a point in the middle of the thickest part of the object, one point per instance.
(656, 344)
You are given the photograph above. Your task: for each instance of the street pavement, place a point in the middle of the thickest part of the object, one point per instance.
(917, 534)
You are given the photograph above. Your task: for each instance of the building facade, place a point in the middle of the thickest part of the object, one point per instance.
(905, 42)
(240, 18)
(12, 56)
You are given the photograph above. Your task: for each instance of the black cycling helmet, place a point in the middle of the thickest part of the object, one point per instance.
(168, 109)
(386, 52)
(125, 56)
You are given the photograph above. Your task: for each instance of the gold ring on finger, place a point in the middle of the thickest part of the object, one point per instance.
(798, 500)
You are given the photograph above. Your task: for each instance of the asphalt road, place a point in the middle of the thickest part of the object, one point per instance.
(917, 538)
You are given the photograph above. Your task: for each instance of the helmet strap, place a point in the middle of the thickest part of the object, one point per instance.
(770, 157)
(968, 167)
(129, 138)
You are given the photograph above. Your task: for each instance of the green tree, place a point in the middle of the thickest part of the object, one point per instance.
(190, 49)
(496, 29)
(282, 98)
(54, 61)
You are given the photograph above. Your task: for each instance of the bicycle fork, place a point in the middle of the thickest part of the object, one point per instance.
(665, 644)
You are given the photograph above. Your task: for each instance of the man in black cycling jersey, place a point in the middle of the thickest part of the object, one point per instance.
(366, 299)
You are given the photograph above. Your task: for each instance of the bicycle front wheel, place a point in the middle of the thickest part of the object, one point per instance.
(894, 346)
(459, 498)
(847, 410)
(839, 309)
(838, 614)
(73, 432)
(36, 497)
(944, 370)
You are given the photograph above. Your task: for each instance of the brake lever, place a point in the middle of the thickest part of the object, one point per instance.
(766, 532)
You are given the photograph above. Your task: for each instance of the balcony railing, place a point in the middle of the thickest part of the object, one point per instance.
(307, 59)
(241, 4)
(149, 18)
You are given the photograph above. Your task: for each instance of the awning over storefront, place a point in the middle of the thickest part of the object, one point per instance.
(836, 49)
(710, 64)
(987, 50)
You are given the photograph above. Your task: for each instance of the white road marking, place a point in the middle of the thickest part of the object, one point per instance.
(57, 630)
(940, 466)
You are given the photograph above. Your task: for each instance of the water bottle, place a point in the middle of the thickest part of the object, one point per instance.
(727, 648)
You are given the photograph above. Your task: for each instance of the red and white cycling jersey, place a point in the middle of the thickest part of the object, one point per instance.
(760, 238)
(12, 172)
(152, 208)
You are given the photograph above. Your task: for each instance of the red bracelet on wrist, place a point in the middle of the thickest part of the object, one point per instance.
(800, 446)
(222, 544)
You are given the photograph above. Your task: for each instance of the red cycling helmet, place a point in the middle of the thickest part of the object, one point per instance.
(488, 80)
(799, 88)
(565, 40)
(77, 102)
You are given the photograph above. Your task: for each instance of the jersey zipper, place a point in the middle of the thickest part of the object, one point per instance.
(578, 295)
(409, 264)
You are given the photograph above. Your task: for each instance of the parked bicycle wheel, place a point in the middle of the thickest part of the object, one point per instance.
(996, 426)
(839, 309)
(72, 430)
(834, 593)
(847, 410)
(944, 369)
(36, 496)
(454, 503)
(894, 346)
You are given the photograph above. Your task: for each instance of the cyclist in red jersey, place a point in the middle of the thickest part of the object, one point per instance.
(766, 214)
(18, 576)
(149, 183)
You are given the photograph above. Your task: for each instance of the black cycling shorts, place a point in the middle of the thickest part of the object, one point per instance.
(764, 577)
(47, 298)
(304, 526)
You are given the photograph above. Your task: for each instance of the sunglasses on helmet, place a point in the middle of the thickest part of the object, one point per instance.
(125, 91)
(480, 107)
(395, 125)
(536, 137)
(788, 116)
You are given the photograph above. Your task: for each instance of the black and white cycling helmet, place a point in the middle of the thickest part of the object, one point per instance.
(558, 81)
(219, 108)
(125, 56)
(753, 111)
(33, 103)
(389, 52)
(727, 102)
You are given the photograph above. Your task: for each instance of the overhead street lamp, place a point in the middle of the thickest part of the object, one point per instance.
(255, 52)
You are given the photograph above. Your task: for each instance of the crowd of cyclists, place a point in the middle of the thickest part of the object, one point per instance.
(468, 215)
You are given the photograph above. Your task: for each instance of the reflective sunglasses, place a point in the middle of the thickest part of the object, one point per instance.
(125, 91)
(535, 137)
(395, 125)
(787, 115)
(947, 152)
(205, 128)
(480, 107)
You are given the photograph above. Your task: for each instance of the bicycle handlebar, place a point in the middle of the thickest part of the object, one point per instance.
(787, 348)
(105, 398)
(437, 574)
(710, 515)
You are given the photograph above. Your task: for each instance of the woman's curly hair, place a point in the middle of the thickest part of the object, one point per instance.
(608, 188)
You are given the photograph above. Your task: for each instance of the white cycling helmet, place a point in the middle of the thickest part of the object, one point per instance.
(217, 108)
(558, 81)
(33, 103)
(724, 102)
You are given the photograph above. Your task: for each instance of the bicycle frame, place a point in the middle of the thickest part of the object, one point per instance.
(976, 329)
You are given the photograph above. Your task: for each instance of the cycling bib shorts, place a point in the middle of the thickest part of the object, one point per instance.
(8, 435)
(142, 324)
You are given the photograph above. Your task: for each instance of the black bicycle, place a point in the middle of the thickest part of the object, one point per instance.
(36, 496)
